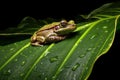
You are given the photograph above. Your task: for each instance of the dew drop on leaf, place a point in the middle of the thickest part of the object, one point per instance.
(46, 78)
(23, 63)
(53, 77)
(7, 72)
(22, 74)
(82, 55)
(15, 44)
(16, 60)
(89, 49)
(43, 73)
(41, 63)
(75, 66)
(11, 49)
(106, 31)
(104, 27)
(93, 36)
(53, 59)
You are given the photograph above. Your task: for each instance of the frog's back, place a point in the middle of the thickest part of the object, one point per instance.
(49, 26)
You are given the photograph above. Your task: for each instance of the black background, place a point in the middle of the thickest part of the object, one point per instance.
(11, 13)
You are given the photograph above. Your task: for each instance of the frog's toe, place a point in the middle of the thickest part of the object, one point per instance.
(36, 44)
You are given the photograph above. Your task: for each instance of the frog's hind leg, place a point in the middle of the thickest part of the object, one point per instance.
(55, 38)
(38, 41)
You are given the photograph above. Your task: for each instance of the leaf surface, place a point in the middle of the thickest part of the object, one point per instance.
(70, 59)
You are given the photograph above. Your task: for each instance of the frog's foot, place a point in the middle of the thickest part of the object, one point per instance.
(36, 44)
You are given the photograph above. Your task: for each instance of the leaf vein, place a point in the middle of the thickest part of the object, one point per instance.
(73, 48)
(40, 57)
(113, 32)
(10, 59)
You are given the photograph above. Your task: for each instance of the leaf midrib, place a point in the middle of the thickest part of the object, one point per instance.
(73, 48)
(75, 45)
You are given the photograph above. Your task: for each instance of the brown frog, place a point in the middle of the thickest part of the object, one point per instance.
(53, 32)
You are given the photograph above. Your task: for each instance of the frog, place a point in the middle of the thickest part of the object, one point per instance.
(53, 32)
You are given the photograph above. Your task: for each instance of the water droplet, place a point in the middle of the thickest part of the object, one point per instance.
(75, 66)
(15, 43)
(53, 59)
(16, 60)
(89, 49)
(46, 78)
(104, 27)
(53, 77)
(11, 49)
(23, 63)
(106, 31)
(43, 73)
(93, 36)
(22, 74)
(82, 55)
(41, 63)
(9, 71)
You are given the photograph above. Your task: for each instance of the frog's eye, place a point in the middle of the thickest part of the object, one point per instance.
(63, 23)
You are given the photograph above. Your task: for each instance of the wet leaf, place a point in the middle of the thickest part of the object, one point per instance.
(70, 59)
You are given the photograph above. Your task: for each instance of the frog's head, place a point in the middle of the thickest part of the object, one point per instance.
(65, 27)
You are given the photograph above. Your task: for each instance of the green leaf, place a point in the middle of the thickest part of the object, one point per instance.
(70, 59)
(107, 10)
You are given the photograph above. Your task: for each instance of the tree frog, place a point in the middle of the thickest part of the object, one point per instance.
(53, 32)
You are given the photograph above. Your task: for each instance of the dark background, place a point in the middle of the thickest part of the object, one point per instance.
(11, 13)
